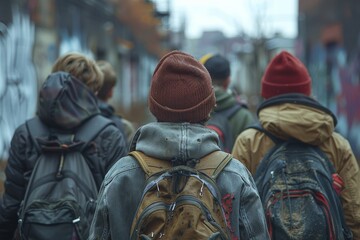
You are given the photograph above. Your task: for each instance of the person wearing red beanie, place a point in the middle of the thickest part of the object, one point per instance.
(290, 113)
(285, 74)
(181, 98)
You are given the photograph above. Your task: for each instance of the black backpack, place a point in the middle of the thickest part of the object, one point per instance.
(295, 183)
(60, 198)
(219, 122)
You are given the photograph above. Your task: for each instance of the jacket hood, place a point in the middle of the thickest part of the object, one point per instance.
(297, 116)
(224, 99)
(65, 102)
(175, 141)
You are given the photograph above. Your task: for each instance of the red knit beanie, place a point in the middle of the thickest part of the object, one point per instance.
(181, 90)
(285, 74)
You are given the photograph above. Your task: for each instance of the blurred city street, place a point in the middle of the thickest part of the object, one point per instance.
(134, 34)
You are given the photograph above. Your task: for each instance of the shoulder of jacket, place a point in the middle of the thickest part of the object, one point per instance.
(236, 173)
(244, 113)
(236, 168)
(339, 139)
(250, 133)
(110, 130)
(121, 168)
(21, 135)
(337, 148)
(21, 129)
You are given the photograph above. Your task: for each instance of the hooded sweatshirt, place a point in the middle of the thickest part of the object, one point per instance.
(64, 104)
(180, 142)
(299, 117)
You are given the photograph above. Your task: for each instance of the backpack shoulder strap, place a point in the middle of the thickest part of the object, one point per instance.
(258, 127)
(150, 165)
(85, 133)
(211, 165)
(229, 112)
(36, 128)
(91, 128)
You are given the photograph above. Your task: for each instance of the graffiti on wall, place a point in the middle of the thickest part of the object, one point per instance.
(348, 101)
(337, 85)
(18, 82)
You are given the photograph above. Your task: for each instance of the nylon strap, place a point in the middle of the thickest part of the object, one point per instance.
(150, 165)
(211, 165)
(87, 131)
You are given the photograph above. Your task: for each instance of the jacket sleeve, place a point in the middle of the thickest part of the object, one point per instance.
(100, 227)
(252, 222)
(240, 151)
(117, 147)
(14, 185)
(112, 146)
(119, 197)
(241, 203)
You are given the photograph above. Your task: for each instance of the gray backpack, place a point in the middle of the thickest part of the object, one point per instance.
(61, 195)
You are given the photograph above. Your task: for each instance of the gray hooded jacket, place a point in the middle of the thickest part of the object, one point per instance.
(123, 185)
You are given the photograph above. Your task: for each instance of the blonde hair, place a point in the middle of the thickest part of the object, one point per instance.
(81, 67)
(109, 79)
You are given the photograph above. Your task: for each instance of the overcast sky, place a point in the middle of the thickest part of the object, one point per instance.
(234, 16)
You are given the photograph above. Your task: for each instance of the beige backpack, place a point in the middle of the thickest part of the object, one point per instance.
(181, 202)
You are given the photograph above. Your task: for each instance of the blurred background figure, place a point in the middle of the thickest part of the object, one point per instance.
(237, 115)
(105, 94)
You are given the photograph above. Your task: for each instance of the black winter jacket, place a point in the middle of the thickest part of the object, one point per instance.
(64, 104)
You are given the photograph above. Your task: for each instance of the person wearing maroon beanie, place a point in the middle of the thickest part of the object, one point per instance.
(181, 98)
(289, 112)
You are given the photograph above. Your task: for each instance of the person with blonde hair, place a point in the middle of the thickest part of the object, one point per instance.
(67, 101)
(83, 68)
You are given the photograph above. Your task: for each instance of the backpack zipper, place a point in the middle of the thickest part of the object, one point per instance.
(182, 200)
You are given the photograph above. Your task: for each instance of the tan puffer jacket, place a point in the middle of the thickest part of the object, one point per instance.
(311, 125)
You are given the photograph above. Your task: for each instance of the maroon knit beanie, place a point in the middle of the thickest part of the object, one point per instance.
(181, 90)
(285, 74)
